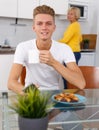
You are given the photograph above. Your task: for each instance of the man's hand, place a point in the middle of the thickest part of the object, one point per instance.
(46, 57)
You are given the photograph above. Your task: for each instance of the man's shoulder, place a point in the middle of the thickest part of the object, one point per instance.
(25, 45)
(28, 42)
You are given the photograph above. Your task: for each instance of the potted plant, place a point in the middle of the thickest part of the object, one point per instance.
(32, 109)
(86, 43)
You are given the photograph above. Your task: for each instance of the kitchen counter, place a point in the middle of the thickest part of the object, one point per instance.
(88, 50)
(12, 50)
(7, 50)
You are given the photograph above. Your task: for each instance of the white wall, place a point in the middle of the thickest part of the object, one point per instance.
(15, 33)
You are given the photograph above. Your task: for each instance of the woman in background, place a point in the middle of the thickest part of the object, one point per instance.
(72, 35)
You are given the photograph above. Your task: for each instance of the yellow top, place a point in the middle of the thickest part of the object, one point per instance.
(72, 36)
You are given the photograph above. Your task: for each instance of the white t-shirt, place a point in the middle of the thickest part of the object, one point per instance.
(42, 74)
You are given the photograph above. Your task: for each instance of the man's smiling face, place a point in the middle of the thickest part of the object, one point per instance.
(44, 26)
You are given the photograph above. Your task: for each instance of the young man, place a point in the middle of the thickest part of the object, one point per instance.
(52, 54)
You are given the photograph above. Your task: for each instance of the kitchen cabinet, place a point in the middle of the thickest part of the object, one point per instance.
(8, 8)
(25, 8)
(6, 61)
(18, 8)
(60, 6)
(87, 59)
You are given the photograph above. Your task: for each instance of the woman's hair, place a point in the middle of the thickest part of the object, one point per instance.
(44, 9)
(76, 11)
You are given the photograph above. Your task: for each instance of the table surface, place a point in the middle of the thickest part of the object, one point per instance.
(61, 116)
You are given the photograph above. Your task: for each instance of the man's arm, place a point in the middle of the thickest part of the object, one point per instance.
(13, 80)
(71, 72)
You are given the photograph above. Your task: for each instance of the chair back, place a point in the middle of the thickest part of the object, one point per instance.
(91, 75)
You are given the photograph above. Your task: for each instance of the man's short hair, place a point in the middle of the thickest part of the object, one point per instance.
(44, 9)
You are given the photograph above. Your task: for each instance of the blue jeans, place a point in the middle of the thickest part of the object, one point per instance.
(77, 56)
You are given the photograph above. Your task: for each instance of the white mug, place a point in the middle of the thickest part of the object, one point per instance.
(33, 56)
